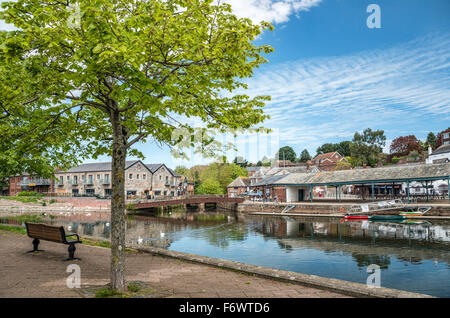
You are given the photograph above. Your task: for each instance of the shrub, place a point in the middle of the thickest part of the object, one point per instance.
(29, 194)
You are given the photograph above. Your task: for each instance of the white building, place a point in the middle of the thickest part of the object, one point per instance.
(439, 155)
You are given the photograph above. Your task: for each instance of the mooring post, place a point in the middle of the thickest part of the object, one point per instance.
(373, 192)
(426, 186)
(407, 191)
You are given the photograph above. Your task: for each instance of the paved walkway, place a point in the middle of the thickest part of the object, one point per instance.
(44, 274)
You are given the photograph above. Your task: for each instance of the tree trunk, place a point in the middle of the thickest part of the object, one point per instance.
(117, 274)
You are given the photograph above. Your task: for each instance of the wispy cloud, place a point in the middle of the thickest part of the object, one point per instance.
(274, 11)
(321, 99)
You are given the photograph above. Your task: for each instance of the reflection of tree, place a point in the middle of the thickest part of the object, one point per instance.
(221, 236)
(364, 260)
(286, 247)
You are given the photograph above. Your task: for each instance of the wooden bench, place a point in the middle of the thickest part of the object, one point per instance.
(38, 231)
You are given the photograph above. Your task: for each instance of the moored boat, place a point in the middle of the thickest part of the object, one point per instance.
(386, 217)
(419, 211)
(356, 217)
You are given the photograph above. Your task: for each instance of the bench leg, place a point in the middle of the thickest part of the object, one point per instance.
(71, 250)
(35, 246)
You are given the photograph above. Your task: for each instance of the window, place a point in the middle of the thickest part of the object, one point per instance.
(75, 192)
(131, 192)
(83, 177)
(131, 176)
(98, 177)
(108, 192)
(90, 192)
(90, 179)
(61, 180)
(143, 176)
(75, 179)
(107, 178)
(167, 180)
(137, 177)
(68, 178)
(160, 178)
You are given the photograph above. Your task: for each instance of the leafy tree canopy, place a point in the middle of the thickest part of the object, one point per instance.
(286, 153)
(304, 156)
(99, 76)
(403, 145)
(366, 147)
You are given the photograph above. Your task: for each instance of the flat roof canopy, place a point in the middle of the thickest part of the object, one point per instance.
(422, 172)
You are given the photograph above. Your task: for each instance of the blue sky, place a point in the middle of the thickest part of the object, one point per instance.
(331, 75)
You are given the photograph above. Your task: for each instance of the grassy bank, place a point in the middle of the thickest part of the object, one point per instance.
(24, 199)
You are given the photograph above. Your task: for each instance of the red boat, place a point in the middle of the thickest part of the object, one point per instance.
(356, 217)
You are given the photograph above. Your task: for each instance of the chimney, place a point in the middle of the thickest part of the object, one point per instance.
(429, 149)
(308, 164)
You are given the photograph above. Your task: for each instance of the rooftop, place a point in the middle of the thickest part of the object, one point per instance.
(392, 173)
(442, 149)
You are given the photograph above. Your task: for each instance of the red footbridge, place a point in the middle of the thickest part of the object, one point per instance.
(193, 200)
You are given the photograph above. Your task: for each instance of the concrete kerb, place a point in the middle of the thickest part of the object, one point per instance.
(330, 284)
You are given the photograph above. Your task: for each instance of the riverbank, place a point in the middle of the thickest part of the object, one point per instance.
(331, 209)
(168, 277)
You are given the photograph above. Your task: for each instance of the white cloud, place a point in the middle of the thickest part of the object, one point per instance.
(274, 11)
(323, 99)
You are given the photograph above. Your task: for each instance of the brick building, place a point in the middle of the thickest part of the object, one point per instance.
(238, 186)
(327, 161)
(30, 183)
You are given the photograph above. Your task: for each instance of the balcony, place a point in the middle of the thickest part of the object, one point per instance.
(26, 182)
(105, 181)
(89, 182)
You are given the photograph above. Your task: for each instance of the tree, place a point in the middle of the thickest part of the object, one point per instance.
(125, 71)
(241, 161)
(366, 147)
(343, 165)
(343, 148)
(431, 140)
(402, 146)
(210, 186)
(325, 148)
(305, 156)
(286, 153)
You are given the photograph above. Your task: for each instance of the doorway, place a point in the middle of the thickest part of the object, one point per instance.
(300, 195)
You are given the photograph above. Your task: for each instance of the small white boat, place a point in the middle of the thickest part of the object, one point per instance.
(419, 211)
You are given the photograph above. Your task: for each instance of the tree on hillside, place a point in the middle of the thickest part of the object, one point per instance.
(342, 147)
(210, 186)
(304, 156)
(286, 153)
(241, 161)
(343, 165)
(403, 145)
(431, 140)
(123, 72)
(366, 147)
(325, 148)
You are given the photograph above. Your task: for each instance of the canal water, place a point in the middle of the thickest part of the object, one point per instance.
(412, 256)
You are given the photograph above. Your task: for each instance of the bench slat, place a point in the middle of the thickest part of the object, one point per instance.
(46, 232)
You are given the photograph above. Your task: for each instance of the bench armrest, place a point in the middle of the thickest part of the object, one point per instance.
(78, 238)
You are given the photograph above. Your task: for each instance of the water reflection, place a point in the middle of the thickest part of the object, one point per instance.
(413, 255)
